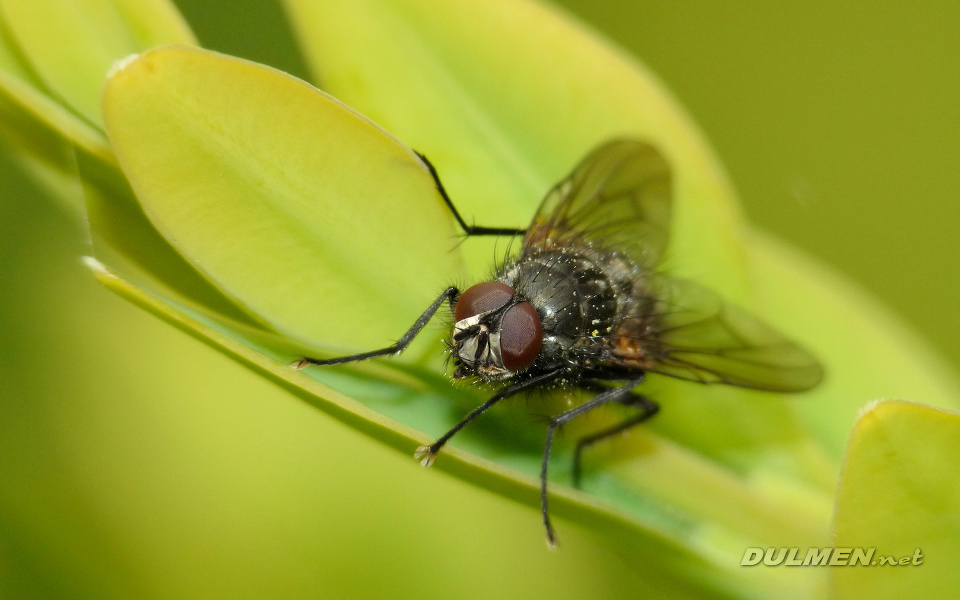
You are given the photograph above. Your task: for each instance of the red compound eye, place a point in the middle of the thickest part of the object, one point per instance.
(521, 336)
(483, 297)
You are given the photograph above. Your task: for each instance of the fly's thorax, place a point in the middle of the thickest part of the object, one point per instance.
(497, 332)
(575, 295)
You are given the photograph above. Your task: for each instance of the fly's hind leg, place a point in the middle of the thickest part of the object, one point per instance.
(450, 294)
(470, 230)
(648, 408)
(606, 397)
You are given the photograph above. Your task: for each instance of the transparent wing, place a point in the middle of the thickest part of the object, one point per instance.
(681, 329)
(616, 199)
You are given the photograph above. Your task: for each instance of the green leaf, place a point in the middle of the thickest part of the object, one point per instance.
(900, 493)
(308, 214)
(40, 132)
(54, 58)
(869, 353)
(505, 97)
(27, 129)
(69, 45)
(123, 237)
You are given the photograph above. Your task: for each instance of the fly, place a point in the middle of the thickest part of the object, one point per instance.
(585, 305)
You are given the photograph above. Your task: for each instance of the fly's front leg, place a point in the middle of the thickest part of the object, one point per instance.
(450, 294)
(468, 229)
(428, 453)
(613, 395)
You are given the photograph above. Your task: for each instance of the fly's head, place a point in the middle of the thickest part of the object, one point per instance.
(496, 334)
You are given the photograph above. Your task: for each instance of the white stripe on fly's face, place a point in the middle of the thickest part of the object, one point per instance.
(490, 359)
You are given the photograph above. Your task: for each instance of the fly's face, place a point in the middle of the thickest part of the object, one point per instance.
(477, 345)
(496, 335)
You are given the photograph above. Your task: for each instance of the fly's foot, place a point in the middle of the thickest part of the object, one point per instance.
(552, 542)
(426, 454)
(300, 364)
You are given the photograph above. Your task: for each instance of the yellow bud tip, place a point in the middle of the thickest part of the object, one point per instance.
(121, 64)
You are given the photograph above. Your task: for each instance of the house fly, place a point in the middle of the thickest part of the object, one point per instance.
(586, 305)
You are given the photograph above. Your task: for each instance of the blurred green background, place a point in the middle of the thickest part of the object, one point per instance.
(135, 462)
